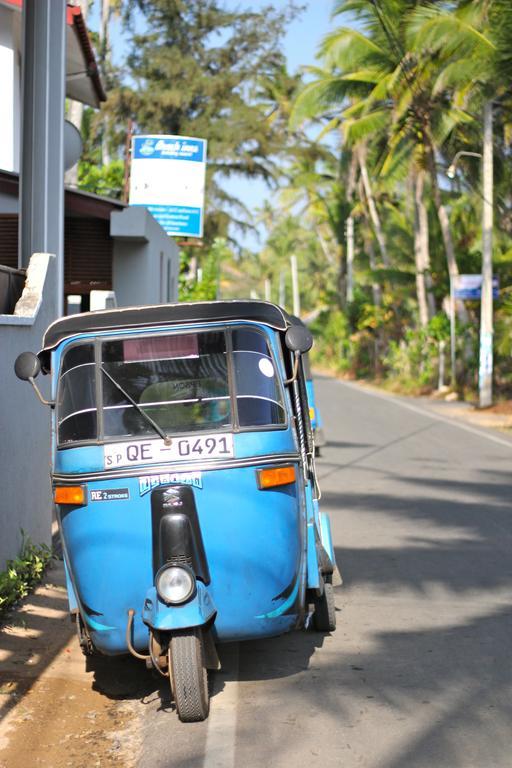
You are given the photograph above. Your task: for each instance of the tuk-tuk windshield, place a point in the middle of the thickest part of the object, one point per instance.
(181, 382)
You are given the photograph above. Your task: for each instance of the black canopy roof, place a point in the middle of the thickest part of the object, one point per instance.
(165, 314)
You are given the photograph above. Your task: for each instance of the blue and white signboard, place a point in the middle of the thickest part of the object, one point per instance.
(469, 287)
(167, 177)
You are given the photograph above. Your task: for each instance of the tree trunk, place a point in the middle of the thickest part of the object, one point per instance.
(426, 304)
(369, 248)
(444, 222)
(342, 273)
(372, 208)
(330, 257)
(105, 62)
(376, 290)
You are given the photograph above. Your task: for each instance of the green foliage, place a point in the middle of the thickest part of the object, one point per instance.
(407, 89)
(413, 362)
(207, 288)
(332, 340)
(22, 573)
(102, 180)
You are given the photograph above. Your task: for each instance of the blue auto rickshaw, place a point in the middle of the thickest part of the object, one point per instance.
(184, 482)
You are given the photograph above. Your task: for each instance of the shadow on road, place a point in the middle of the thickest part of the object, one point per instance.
(437, 536)
(125, 678)
(468, 548)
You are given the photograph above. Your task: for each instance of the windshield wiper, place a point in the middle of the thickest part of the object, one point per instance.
(158, 430)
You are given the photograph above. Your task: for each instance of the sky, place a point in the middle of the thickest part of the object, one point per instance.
(300, 46)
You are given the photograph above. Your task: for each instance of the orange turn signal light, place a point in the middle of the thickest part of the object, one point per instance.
(70, 494)
(270, 478)
(311, 413)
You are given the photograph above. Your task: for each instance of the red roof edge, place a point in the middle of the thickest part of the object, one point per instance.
(75, 19)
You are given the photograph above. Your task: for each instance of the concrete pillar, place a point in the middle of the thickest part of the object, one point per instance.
(42, 149)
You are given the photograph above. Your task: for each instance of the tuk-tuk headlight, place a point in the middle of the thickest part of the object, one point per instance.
(175, 584)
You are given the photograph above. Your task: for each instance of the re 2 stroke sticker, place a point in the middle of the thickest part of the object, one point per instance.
(110, 494)
(149, 483)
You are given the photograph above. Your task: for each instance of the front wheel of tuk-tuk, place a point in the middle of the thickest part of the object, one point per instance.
(188, 675)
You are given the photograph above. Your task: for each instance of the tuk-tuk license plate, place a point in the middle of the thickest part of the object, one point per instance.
(156, 452)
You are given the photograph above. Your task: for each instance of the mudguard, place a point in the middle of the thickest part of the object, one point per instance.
(197, 612)
(314, 580)
(72, 601)
(326, 537)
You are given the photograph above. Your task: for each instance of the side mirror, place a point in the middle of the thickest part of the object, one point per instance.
(27, 366)
(298, 339)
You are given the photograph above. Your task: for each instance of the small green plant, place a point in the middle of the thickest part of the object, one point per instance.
(207, 289)
(331, 333)
(23, 572)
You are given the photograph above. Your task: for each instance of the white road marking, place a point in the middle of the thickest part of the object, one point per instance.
(220, 743)
(423, 412)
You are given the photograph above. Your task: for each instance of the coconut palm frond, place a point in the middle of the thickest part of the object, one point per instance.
(459, 73)
(347, 49)
(356, 129)
(316, 99)
(434, 29)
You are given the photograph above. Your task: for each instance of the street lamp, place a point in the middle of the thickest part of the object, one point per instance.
(486, 304)
(453, 165)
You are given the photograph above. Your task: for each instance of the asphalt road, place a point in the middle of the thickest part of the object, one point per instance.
(418, 673)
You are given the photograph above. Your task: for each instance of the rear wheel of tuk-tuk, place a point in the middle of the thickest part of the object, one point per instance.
(84, 639)
(324, 617)
(188, 675)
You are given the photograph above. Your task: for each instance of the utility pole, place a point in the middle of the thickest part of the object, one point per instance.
(486, 306)
(127, 161)
(282, 288)
(268, 289)
(453, 362)
(350, 259)
(295, 285)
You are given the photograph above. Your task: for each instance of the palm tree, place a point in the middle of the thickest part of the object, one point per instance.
(392, 97)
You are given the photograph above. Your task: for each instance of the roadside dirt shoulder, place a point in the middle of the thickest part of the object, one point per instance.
(55, 710)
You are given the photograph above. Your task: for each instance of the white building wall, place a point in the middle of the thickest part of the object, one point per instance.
(10, 84)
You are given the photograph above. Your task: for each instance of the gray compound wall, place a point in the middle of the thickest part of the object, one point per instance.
(25, 491)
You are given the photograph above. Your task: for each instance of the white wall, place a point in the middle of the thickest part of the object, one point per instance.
(25, 489)
(10, 84)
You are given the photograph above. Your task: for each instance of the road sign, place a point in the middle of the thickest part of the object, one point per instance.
(469, 287)
(167, 177)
